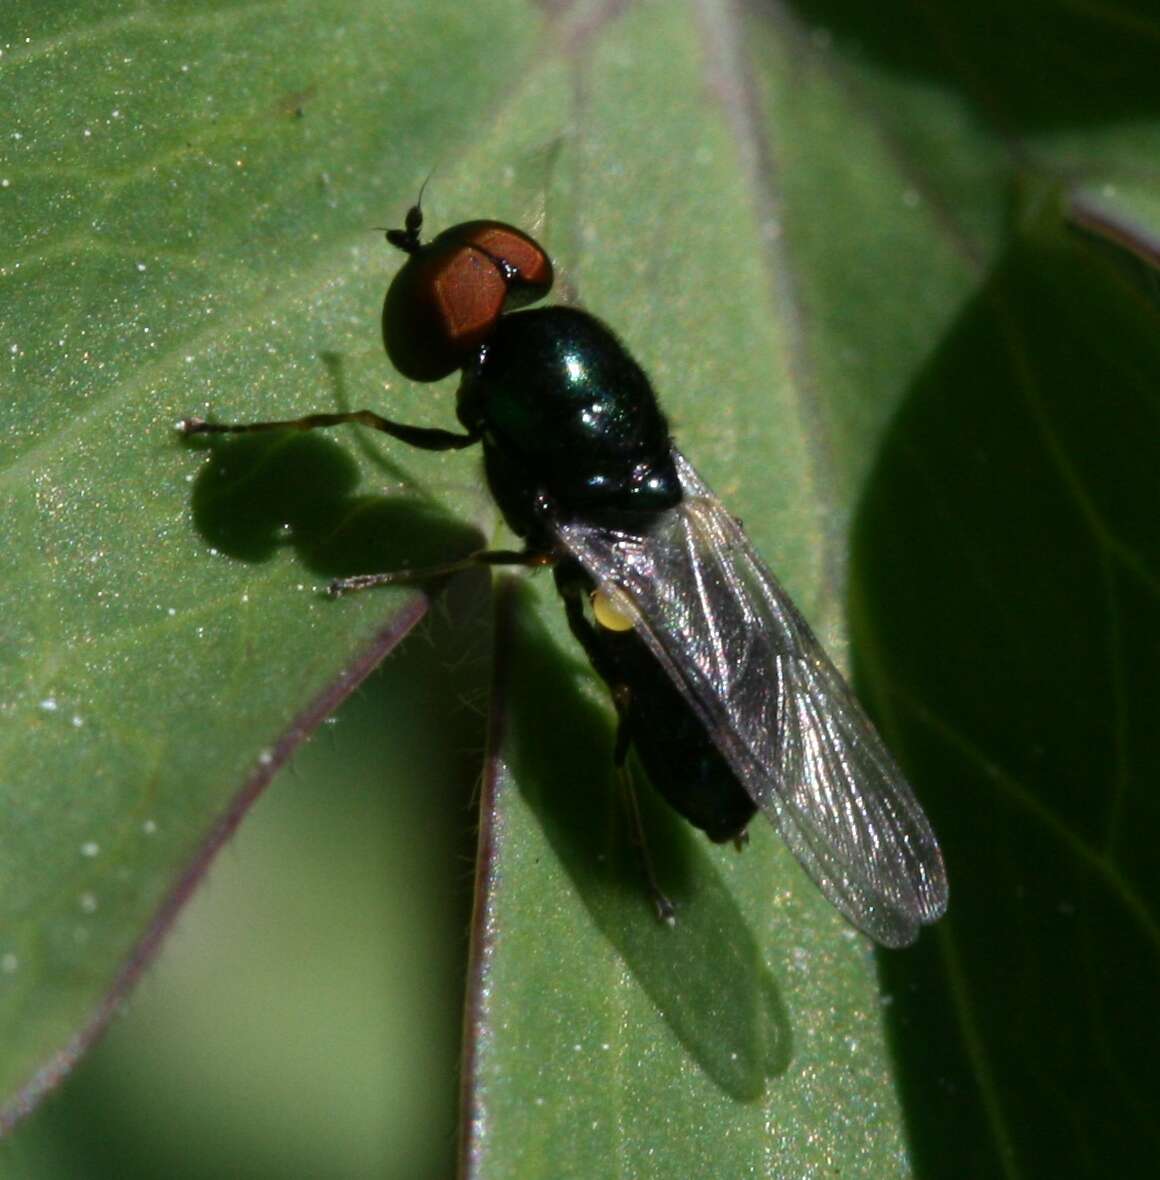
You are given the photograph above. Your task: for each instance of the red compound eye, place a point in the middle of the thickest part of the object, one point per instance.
(445, 301)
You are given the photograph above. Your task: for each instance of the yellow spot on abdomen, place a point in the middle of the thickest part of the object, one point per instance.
(611, 610)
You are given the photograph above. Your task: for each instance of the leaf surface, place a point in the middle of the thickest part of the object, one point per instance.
(892, 288)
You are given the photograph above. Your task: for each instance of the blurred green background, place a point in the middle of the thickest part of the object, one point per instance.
(301, 1021)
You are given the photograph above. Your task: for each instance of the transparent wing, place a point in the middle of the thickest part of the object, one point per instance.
(748, 664)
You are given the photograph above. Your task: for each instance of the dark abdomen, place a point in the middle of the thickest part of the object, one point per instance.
(670, 740)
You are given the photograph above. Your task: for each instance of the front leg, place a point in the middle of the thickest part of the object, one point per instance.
(572, 589)
(524, 557)
(426, 438)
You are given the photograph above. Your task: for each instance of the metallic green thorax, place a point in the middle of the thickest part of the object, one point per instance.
(566, 412)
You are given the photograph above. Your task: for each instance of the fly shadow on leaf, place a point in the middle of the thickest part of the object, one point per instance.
(260, 493)
(705, 975)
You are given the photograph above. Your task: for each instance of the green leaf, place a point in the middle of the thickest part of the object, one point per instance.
(187, 196)
(888, 277)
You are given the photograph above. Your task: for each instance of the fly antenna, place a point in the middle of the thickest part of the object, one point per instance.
(407, 238)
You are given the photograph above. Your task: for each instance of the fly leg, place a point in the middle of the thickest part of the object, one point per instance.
(524, 557)
(666, 912)
(572, 590)
(426, 438)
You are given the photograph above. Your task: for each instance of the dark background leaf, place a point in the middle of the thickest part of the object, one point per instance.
(1022, 665)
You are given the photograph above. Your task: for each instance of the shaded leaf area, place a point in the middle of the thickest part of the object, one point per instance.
(1007, 592)
(296, 981)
